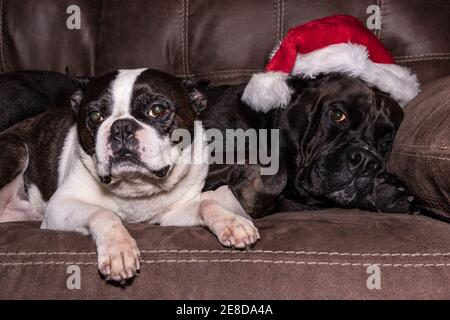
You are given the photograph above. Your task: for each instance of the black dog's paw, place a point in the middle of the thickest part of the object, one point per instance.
(391, 196)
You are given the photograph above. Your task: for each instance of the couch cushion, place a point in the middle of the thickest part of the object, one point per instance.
(421, 153)
(300, 256)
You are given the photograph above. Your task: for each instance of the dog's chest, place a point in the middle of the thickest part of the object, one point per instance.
(151, 209)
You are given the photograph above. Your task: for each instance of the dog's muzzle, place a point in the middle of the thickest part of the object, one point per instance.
(362, 162)
(126, 159)
(122, 137)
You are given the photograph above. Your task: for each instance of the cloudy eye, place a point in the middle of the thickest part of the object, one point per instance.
(338, 116)
(95, 117)
(158, 110)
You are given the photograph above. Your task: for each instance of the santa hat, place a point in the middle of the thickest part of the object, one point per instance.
(337, 43)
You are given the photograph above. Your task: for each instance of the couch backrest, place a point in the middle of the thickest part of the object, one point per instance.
(224, 41)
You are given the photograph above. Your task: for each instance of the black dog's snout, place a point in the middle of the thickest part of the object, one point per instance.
(122, 133)
(363, 161)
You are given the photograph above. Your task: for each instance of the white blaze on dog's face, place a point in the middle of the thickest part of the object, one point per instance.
(125, 122)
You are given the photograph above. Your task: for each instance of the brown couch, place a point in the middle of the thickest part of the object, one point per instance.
(324, 254)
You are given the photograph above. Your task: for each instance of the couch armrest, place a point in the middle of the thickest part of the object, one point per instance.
(421, 153)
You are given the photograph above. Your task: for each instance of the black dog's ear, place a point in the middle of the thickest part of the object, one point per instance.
(81, 82)
(196, 91)
(386, 102)
(298, 84)
(75, 100)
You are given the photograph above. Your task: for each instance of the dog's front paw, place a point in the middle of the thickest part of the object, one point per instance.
(119, 259)
(391, 196)
(236, 232)
(399, 200)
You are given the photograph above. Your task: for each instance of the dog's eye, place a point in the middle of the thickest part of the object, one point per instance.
(338, 116)
(158, 110)
(95, 117)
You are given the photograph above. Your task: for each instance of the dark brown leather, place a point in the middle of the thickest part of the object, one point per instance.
(224, 41)
(421, 154)
(34, 36)
(300, 256)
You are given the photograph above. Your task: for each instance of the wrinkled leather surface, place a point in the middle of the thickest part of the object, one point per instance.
(323, 255)
(224, 41)
(35, 36)
(421, 154)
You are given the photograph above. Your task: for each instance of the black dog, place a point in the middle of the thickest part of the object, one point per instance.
(335, 137)
(24, 94)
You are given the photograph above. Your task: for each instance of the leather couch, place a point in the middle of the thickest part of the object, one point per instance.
(330, 254)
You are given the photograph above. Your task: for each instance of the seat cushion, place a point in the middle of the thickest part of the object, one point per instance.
(301, 255)
(421, 153)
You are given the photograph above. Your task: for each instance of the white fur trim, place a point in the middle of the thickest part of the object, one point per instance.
(266, 91)
(353, 60)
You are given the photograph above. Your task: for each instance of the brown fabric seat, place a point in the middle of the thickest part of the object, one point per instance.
(300, 256)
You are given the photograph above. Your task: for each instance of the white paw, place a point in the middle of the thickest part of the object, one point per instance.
(236, 232)
(119, 259)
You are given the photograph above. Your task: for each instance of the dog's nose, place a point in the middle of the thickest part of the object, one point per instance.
(122, 131)
(363, 161)
(123, 128)
(161, 173)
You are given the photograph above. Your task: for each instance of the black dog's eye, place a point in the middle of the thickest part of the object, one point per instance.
(158, 110)
(338, 116)
(95, 117)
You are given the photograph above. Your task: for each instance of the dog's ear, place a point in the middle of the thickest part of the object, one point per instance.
(298, 84)
(75, 100)
(386, 102)
(196, 91)
(81, 82)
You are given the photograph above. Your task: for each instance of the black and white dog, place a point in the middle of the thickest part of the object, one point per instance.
(335, 137)
(115, 161)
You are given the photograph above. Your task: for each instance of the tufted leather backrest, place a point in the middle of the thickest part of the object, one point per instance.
(224, 41)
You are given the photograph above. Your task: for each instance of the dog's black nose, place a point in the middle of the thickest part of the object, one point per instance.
(122, 131)
(363, 161)
(123, 128)
(161, 173)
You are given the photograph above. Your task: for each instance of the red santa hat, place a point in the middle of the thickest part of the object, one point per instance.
(337, 43)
